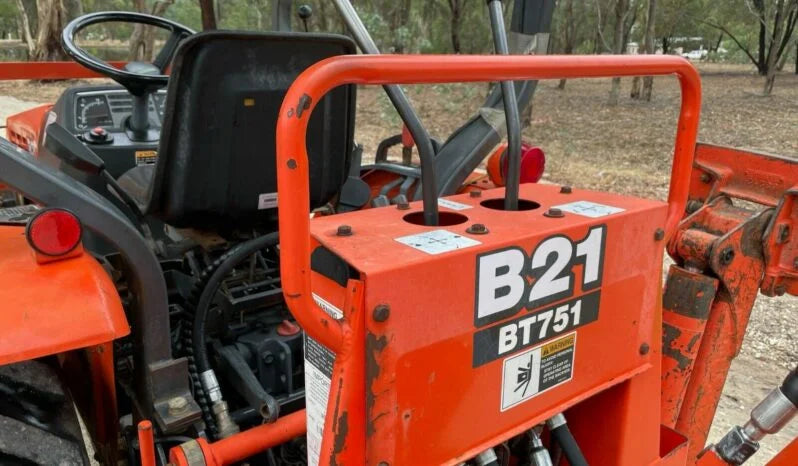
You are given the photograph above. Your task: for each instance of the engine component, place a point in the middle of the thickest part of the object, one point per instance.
(562, 435)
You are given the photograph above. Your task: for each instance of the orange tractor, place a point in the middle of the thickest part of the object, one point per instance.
(199, 266)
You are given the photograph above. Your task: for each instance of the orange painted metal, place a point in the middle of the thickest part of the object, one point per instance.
(62, 306)
(709, 457)
(788, 456)
(411, 413)
(742, 174)
(104, 411)
(687, 299)
(245, 444)
(728, 246)
(46, 70)
(23, 128)
(313, 83)
(781, 246)
(146, 443)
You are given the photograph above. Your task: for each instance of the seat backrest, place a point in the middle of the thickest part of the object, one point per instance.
(216, 159)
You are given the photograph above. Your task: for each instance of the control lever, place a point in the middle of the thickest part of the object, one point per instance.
(513, 121)
(77, 155)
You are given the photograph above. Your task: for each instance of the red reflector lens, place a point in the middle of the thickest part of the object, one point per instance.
(54, 232)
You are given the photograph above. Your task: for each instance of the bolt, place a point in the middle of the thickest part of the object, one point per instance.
(403, 206)
(268, 358)
(381, 312)
(659, 234)
(780, 290)
(705, 178)
(177, 405)
(693, 205)
(565, 190)
(477, 229)
(383, 463)
(344, 230)
(554, 213)
(726, 256)
(475, 193)
(644, 348)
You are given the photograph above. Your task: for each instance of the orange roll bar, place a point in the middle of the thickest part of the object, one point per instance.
(316, 81)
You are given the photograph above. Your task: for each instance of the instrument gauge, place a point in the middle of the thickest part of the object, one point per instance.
(92, 111)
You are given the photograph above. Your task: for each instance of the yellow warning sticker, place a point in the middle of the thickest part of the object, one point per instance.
(146, 157)
(558, 345)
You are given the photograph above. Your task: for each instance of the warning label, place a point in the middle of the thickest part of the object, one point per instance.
(319, 362)
(536, 370)
(146, 157)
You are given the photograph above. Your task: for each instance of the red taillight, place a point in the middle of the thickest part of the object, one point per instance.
(54, 232)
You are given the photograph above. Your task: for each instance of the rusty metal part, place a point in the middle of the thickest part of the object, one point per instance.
(477, 229)
(781, 248)
(686, 303)
(726, 241)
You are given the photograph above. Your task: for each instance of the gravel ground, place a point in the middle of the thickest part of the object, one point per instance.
(623, 149)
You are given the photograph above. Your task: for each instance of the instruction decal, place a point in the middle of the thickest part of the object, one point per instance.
(437, 241)
(589, 209)
(536, 370)
(146, 157)
(319, 362)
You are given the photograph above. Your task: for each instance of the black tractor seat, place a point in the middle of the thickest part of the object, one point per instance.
(216, 157)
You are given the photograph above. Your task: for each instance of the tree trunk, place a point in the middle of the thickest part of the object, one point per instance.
(142, 40)
(717, 42)
(570, 34)
(621, 7)
(456, 7)
(759, 5)
(52, 19)
(208, 15)
(772, 53)
(26, 35)
(648, 81)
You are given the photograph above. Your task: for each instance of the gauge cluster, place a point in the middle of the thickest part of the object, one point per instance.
(109, 109)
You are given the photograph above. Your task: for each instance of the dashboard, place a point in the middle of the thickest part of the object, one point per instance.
(109, 108)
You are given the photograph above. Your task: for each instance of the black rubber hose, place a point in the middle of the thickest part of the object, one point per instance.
(563, 436)
(512, 118)
(228, 262)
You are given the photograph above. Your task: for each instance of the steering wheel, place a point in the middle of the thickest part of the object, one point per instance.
(139, 78)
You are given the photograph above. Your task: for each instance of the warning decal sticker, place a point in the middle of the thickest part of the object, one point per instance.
(319, 362)
(589, 209)
(534, 371)
(318, 376)
(437, 241)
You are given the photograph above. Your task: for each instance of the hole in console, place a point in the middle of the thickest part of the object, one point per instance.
(498, 204)
(445, 219)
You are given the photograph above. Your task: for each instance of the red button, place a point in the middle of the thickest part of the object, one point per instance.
(98, 131)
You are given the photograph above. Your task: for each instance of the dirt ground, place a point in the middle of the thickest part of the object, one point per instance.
(624, 149)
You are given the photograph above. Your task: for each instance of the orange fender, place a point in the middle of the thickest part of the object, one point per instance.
(55, 307)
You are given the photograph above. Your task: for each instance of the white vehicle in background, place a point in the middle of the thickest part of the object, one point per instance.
(699, 54)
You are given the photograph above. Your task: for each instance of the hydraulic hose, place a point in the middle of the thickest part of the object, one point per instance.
(510, 110)
(426, 151)
(563, 436)
(229, 262)
(208, 283)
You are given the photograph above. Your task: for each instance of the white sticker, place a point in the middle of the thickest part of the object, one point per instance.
(453, 205)
(267, 201)
(318, 375)
(319, 362)
(327, 307)
(536, 370)
(589, 209)
(437, 241)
